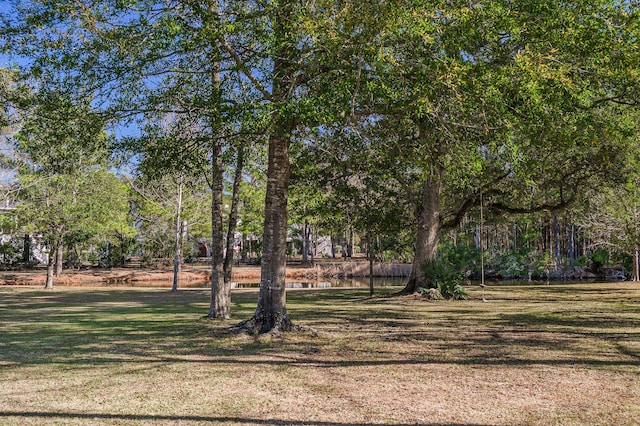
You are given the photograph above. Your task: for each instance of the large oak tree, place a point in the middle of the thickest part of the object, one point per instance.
(501, 99)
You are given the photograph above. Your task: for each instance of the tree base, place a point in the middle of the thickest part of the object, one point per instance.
(410, 288)
(217, 315)
(262, 324)
(414, 286)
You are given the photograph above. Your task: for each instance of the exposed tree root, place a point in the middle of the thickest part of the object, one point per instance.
(211, 316)
(274, 326)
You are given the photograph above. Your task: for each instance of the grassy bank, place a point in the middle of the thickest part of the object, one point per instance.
(559, 354)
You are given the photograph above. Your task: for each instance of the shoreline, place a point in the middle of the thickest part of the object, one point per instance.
(198, 273)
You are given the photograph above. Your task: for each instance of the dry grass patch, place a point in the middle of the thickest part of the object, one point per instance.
(563, 354)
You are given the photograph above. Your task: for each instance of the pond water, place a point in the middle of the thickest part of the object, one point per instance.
(341, 283)
(330, 283)
(291, 284)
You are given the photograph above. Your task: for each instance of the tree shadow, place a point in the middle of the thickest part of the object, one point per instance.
(149, 326)
(208, 419)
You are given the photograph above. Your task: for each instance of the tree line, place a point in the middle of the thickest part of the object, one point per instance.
(395, 118)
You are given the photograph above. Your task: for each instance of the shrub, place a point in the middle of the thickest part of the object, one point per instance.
(452, 290)
(444, 277)
(430, 293)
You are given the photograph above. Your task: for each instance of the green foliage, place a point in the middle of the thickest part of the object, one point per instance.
(464, 258)
(155, 201)
(252, 214)
(61, 135)
(452, 290)
(68, 195)
(520, 264)
(446, 278)
(7, 251)
(92, 203)
(612, 217)
(430, 293)
(599, 258)
(522, 101)
(450, 271)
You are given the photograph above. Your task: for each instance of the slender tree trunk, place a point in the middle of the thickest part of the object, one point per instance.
(233, 215)
(220, 306)
(50, 267)
(428, 233)
(305, 243)
(371, 259)
(549, 237)
(26, 249)
(636, 266)
(351, 242)
(333, 247)
(572, 245)
(178, 246)
(59, 260)
(123, 254)
(556, 242)
(271, 312)
(70, 258)
(309, 242)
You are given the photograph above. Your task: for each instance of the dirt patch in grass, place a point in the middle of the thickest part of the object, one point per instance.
(565, 355)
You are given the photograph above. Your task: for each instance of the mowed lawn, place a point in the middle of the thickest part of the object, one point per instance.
(565, 354)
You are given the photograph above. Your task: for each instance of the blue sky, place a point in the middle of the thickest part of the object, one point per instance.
(9, 60)
(5, 60)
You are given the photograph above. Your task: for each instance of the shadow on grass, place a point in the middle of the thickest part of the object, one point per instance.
(148, 326)
(242, 420)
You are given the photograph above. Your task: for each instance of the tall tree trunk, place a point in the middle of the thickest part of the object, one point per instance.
(371, 259)
(233, 215)
(220, 306)
(428, 233)
(50, 267)
(351, 242)
(313, 243)
(26, 249)
(123, 254)
(271, 312)
(178, 246)
(305, 243)
(333, 247)
(636, 266)
(572, 245)
(59, 260)
(556, 242)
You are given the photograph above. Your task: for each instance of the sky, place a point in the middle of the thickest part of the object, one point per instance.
(5, 60)
(10, 60)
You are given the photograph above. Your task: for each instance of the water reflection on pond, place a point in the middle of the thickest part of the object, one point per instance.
(399, 282)
(291, 284)
(334, 283)
(341, 283)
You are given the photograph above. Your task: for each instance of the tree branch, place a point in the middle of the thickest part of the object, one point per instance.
(243, 67)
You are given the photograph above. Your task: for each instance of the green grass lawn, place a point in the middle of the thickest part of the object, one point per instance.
(558, 354)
